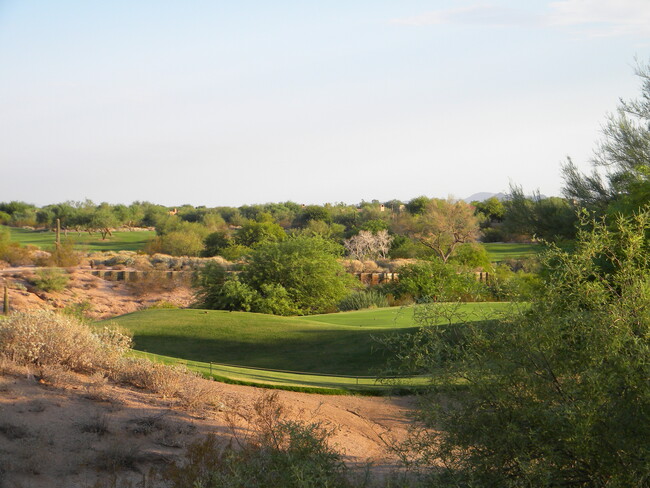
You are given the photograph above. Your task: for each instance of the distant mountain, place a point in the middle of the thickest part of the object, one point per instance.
(484, 195)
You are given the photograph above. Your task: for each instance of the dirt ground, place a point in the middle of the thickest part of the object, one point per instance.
(66, 430)
(104, 298)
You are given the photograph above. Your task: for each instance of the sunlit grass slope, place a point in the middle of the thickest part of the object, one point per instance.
(342, 343)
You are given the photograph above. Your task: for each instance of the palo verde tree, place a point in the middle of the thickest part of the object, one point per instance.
(555, 394)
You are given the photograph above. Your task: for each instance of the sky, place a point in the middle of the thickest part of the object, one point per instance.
(241, 102)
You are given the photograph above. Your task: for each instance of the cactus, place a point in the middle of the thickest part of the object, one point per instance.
(6, 301)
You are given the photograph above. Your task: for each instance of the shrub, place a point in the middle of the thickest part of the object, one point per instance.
(51, 279)
(363, 299)
(182, 243)
(434, 280)
(472, 255)
(64, 255)
(556, 394)
(235, 252)
(281, 454)
(78, 310)
(46, 338)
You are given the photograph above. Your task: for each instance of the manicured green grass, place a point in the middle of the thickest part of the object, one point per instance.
(120, 241)
(308, 383)
(501, 251)
(336, 344)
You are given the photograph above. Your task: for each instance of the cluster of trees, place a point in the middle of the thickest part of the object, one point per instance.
(419, 228)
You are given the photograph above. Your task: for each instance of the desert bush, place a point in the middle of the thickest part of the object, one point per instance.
(118, 456)
(78, 310)
(555, 394)
(182, 243)
(64, 255)
(122, 258)
(51, 279)
(363, 299)
(157, 281)
(278, 453)
(190, 389)
(96, 424)
(352, 265)
(435, 280)
(472, 255)
(46, 338)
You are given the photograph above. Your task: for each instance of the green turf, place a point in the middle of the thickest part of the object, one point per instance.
(337, 344)
(309, 383)
(501, 251)
(119, 241)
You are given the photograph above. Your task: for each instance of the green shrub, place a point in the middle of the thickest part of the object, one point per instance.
(51, 279)
(182, 243)
(555, 394)
(437, 281)
(471, 255)
(78, 310)
(363, 299)
(235, 252)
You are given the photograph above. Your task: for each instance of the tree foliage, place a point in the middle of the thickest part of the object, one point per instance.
(441, 226)
(556, 394)
(298, 276)
(620, 181)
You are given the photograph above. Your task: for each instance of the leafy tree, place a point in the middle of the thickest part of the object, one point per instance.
(103, 220)
(441, 226)
(254, 233)
(550, 219)
(182, 243)
(307, 268)
(556, 394)
(435, 280)
(297, 276)
(492, 209)
(216, 242)
(417, 205)
(313, 212)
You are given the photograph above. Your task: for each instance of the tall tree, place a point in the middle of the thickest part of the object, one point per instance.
(441, 226)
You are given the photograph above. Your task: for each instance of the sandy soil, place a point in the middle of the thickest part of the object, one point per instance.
(67, 430)
(104, 298)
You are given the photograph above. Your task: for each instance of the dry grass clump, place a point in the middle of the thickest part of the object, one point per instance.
(190, 389)
(57, 345)
(46, 338)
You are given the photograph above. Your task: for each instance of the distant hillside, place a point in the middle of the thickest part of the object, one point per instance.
(484, 195)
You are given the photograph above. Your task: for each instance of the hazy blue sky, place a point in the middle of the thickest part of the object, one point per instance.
(233, 102)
